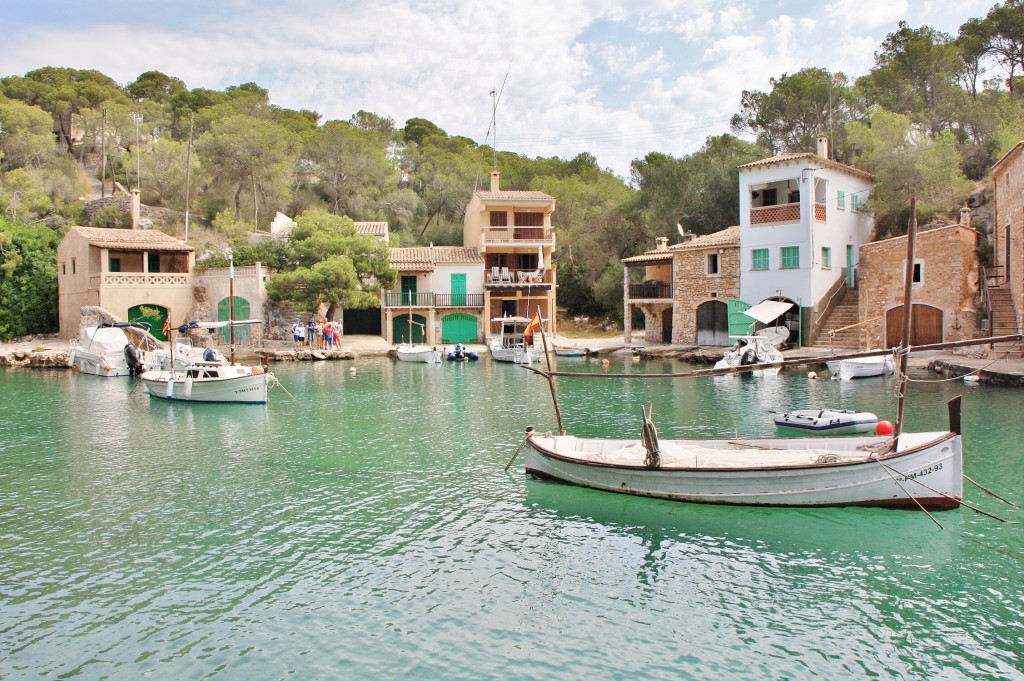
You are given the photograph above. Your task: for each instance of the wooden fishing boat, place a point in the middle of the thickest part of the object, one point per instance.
(913, 470)
(827, 421)
(210, 382)
(564, 351)
(861, 367)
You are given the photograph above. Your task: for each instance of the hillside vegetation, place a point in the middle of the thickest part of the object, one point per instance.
(928, 120)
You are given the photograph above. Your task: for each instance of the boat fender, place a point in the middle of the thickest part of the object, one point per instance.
(71, 358)
(256, 371)
(106, 366)
(884, 428)
(188, 387)
(170, 387)
(811, 375)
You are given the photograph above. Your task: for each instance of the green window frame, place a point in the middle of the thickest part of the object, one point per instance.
(840, 199)
(790, 257)
(759, 259)
(826, 258)
(854, 203)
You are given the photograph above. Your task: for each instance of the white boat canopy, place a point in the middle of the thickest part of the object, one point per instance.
(768, 311)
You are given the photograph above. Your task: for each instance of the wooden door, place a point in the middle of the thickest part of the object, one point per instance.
(713, 323)
(925, 325)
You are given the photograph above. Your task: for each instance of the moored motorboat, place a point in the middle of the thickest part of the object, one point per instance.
(107, 351)
(751, 350)
(513, 343)
(460, 353)
(827, 421)
(418, 353)
(861, 367)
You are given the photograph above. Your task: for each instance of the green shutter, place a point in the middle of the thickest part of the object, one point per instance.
(790, 257)
(759, 259)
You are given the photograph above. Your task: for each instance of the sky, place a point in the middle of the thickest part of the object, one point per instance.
(614, 78)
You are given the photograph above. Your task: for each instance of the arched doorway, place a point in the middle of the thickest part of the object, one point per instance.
(458, 327)
(925, 325)
(400, 329)
(713, 323)
(242, 333)
(154, 315)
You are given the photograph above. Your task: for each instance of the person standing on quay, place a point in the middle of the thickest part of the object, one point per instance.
(298, 332)
(311, 331)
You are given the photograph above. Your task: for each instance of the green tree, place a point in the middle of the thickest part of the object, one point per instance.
(333, 266)
(26, 139)
(250, 158)
(799, 107)
(28, 279)
(908, 163)
(351, 167)
(155, 86)
(1003, 27)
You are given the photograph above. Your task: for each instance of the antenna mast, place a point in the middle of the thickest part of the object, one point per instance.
(494, 125)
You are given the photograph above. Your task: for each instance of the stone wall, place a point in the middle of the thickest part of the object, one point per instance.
(949, 280)
(1008, 188)
(692, 285)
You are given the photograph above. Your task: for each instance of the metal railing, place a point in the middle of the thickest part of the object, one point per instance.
(458, 300)
(518, 277)
(430, 299)
(650, 290)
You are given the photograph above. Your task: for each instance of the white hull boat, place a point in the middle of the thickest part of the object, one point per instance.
(418, 353)
(923, 468)
(512, 345)
(862, 367)
(750, 350)
(210, 382)
(570, 352)
(828, 421)
(107, 351)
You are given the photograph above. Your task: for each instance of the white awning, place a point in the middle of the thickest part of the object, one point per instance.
(768, 311)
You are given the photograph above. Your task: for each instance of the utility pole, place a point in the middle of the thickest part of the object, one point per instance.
(103, 156)
(188, 169)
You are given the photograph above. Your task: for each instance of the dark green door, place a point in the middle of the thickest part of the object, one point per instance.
(459, 289)
(400, 328)
(408, 290)
(242, 333)
(458, 327)
(155, 315)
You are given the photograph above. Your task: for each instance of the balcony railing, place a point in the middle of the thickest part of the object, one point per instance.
(139, 279)
(787, 212)
(430, 299)
(820, 214)
(458, 300)
(518, 235)
(650, 290)
(498, 276)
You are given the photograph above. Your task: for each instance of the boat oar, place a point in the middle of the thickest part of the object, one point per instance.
(529, 432)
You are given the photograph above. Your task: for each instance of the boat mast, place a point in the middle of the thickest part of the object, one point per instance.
(908, 310)
(231, 301)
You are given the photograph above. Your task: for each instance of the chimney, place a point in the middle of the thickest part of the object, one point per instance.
(965, 216)
(823, 146)
(494, 180)
(662, 242)
(136, 208)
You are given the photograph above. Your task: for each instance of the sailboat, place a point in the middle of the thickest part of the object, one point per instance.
(407, 352)
(210, 379)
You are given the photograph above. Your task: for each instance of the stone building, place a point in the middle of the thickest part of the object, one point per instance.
(1005, 278)
(945, 286)
(683, 290)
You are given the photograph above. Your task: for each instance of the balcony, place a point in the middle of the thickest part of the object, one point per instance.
(518, 236)
(502, 277)
(139, 279)
(651, 290)
(786, 212)
(430, 299)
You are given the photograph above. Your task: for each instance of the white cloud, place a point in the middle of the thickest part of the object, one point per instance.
(859, 15)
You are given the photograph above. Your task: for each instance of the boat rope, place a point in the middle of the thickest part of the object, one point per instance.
(649, 438)
(529, 432)
(277, 383)
(1005, 355)
(986, 490)
(889, 471)
(892, 470)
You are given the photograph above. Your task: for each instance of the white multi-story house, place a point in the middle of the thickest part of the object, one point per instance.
(801, 228)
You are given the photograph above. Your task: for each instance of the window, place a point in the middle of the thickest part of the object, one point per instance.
(826, 258)
(854, 203)
(769, 197)
(529, 219)
(63, 268)
(154, 262)
(759, 259)
(72, 265)
(712, 263)
(499, 218)
(790, 257)
(841, 199)
(918, 272)
(115, 264)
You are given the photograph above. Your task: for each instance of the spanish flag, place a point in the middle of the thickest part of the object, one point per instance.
(167, 326)
(534, 324)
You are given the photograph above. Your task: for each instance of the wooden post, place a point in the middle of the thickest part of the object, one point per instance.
(908, 310)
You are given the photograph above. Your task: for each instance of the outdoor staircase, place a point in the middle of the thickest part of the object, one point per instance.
(1003, 319)
(843, 315)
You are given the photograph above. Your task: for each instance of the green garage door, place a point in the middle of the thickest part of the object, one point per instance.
(458, 327)
(242, 333)
(400, 329)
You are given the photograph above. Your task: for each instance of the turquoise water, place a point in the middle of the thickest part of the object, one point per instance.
(366, 529)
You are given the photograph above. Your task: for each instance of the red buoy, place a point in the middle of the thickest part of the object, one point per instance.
(884, 428)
